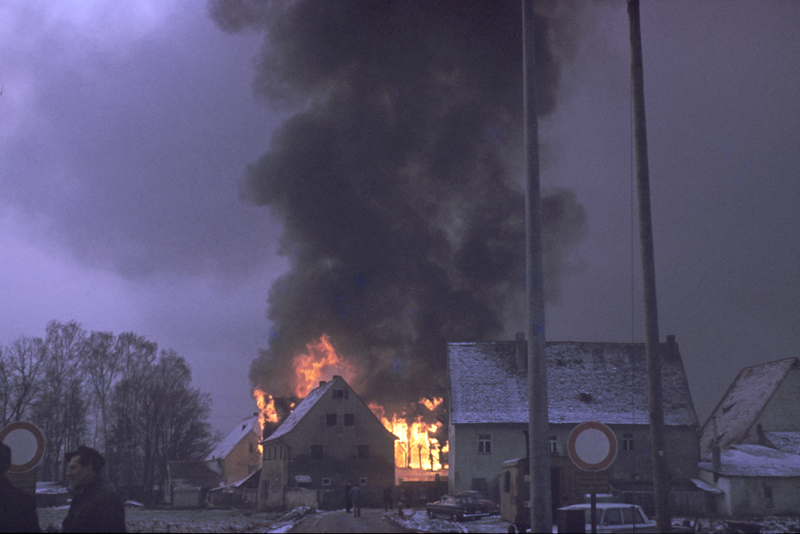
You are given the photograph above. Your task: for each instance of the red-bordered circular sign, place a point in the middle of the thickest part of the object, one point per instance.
(592, 446)
(26, 440)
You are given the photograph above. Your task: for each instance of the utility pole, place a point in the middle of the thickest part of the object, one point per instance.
(653, 347)
(538, 421)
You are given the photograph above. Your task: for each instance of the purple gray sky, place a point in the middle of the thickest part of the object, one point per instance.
(127, 129)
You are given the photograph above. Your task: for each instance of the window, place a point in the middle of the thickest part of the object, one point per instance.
(326, 482)
(627, 442)
(362, 481)
(768, 497)
(250, 447)
(507, 482)
(553, 444)
(330, 419)
(349, 419)
(485, 443)
(612, 517)
(340, 394)
(316, 451)
(363, 451)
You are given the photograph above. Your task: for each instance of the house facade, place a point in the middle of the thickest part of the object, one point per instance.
(330, 439)
(604, 382)
(237, 456)
(750, 445)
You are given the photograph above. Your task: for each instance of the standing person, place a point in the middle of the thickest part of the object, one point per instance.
(355, 494)
(348, 500)
(387, 499)
(95, 507)
(17, 508)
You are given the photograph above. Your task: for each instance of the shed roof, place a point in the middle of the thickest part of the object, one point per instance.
(604, 382)
(785, 441)
(193, 473)
(748, 460)
(225, 447)
(743, 402)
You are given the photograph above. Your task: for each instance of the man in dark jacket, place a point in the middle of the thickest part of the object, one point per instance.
(95, 507)
(17, 508)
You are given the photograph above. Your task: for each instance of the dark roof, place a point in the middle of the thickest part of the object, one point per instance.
(743, 402)
(193, 473)
(587, 381)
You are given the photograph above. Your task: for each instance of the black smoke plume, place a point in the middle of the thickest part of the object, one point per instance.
(397, 180)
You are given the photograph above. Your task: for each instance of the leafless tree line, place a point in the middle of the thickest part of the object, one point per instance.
(113, 393)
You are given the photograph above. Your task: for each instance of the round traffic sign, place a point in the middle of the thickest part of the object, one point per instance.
(592, 446)
(27, 445)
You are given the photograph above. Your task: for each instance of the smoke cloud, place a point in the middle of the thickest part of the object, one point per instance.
(397, 180)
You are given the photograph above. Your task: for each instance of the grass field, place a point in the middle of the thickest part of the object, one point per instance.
(141, 520)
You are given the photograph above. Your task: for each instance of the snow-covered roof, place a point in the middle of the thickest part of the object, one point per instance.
(785, 441)
(748, 460)
(743, 402)
(226, 446)
(604, 382)
(301, 410)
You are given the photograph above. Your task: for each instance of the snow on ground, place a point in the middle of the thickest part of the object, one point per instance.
(418, 521)
(767, 525)
(142, 520)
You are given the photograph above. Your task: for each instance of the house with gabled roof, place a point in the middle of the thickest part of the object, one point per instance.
(330, 439)
(237, 456)
(587, 381)
(750, 444)
(761, 406)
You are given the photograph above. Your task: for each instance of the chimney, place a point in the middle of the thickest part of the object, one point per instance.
(322, 383)
(521, 353)
(672, 348)
(337, 376)
(716, 458)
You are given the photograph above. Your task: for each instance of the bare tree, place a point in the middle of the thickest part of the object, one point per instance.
(21, 368)
(100, 361)
(61, 400)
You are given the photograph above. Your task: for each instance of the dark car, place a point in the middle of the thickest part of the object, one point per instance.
(485, 504)
(456, 508)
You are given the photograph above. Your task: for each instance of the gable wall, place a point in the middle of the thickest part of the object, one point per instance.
(782, 411)
(340, 441)
(243, 460)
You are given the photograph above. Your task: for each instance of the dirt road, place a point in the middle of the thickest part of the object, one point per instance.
(341, 521)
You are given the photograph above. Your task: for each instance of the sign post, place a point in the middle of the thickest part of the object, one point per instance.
(27, 448)
(592, 446)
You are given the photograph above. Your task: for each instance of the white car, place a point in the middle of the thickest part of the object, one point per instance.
(611, 517)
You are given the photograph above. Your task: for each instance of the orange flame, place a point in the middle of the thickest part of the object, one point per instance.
(320, 358)
(266, 405)
(413, 448)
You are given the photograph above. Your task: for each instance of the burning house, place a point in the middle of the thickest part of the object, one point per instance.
(330, 439)
(587, 381)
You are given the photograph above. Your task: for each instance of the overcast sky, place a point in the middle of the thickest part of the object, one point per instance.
(126, 129)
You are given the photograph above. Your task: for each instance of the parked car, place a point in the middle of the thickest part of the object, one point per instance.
(485, 504)
(456, 508)
(611, 517)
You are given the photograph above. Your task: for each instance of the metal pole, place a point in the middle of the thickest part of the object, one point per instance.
(657, 449)
(538, 423)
